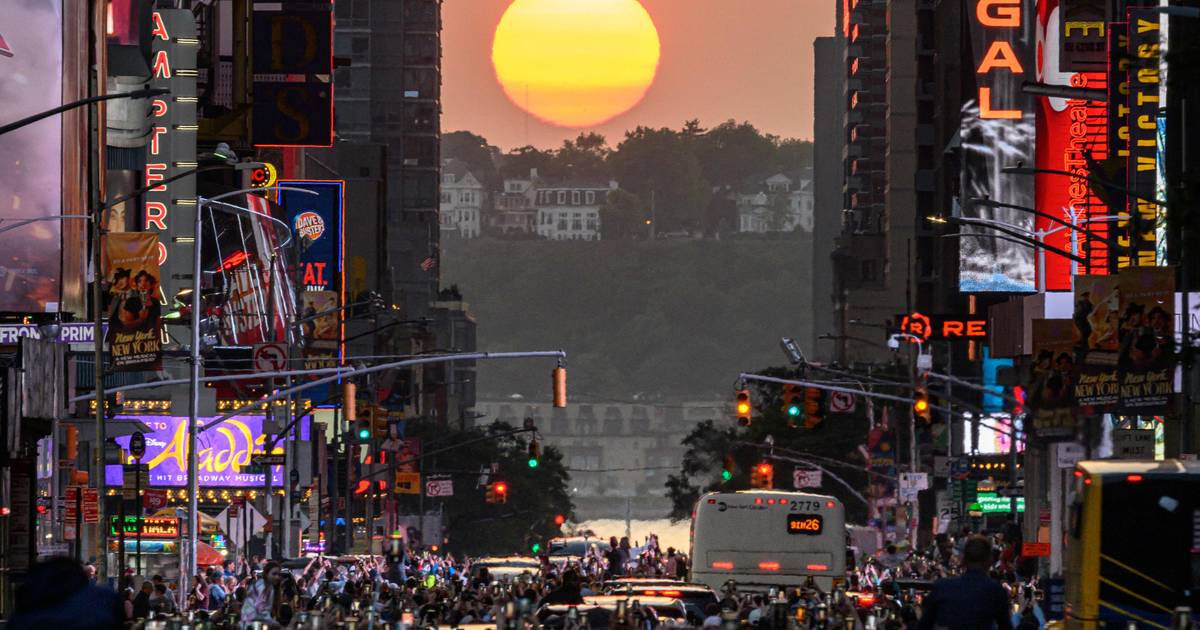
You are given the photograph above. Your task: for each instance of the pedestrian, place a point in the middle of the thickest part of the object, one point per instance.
(216, 592)
(261, 597)
(971, 600)
(198, 598)
(58, 593)
(161, 601)
(141, 601)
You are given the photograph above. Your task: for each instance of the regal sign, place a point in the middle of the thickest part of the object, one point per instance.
(929, 327)
(171, 148)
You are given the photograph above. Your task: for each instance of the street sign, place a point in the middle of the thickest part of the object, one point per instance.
(91, 504)
(154, 499)
(267, 459)
(948, 509)
(841, 402)
(806, 478)
(914, 481)
(1067, 454)
(439, 488)
(408, 483)
(270, 357)
(1035, 550)
(137, 444)
(1133, 443)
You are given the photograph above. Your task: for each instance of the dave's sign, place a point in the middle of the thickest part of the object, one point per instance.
(929, 327)
(316, 221)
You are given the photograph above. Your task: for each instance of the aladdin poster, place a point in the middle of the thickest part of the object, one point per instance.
(1097, 321)
(1052, 395)
(1147, 351)
(132, 300)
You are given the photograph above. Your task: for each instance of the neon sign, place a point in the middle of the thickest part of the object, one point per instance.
(927, 327)
(995, 15)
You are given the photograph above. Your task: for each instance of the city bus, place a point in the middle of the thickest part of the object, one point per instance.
(1133, 543)
(764, 538)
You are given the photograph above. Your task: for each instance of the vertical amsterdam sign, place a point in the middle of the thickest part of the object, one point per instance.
(169, 208)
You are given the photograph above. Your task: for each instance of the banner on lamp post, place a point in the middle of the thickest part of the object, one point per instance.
(132, 300)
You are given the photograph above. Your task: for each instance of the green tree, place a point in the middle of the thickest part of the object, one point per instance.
(517, 163)
(583, 158)
(535, 495)
(657, 166)
(623, 216)
(793, 155)
(476, 152)
(732, 152)
(710, 443)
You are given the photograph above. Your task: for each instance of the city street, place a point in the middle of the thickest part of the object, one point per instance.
(767, 314)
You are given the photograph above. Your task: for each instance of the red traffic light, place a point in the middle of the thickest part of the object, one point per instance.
(559, 519)
(501, 487)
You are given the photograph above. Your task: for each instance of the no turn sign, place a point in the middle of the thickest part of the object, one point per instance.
(270, 357)
(841, 402)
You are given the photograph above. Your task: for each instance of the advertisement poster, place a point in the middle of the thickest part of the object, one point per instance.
(1097, 324)
(316, 221)
(1146, 217)
(997, 130)
(1147, 352)
(222, 452)
(132, 300)
(31, 157)
(321, 333)
(1052, 394)
(1069, 132)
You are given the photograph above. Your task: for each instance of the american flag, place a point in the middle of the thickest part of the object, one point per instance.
(428, 264)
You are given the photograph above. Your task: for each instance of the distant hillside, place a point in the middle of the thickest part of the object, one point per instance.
(677, 319)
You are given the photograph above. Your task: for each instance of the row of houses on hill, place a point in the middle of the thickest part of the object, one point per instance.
(571, 209)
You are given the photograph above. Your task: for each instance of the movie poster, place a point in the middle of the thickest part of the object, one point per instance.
(1147, 352)
(1097, 322)
(132, 300)
(1052, 394)
(321, 333)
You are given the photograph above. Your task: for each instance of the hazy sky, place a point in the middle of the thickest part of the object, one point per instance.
(743, 59)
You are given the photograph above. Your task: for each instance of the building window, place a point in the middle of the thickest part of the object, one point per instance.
(575, 197)
(562, 223)
(592, 225)
(445, 197)
(562, 197)
(869, 270)
(591, 197)
(577, 222)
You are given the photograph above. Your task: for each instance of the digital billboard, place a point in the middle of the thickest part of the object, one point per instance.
(31, 67)
(997, 131)
(222, 452)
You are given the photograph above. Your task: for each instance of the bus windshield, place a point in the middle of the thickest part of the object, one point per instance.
(766, 538)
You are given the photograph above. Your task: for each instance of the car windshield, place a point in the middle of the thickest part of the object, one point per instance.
(576, 547)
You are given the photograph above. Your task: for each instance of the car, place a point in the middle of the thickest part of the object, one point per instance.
(695, 597)
(597, 611)
(506, 568)
(574, 548)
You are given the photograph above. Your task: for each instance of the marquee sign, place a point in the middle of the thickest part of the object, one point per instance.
(930, 327)
(171, 148)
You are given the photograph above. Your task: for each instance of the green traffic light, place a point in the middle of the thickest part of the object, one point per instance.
(364, 434)
(533, 463)
(726, 475)
(536, 547)
(793, 410)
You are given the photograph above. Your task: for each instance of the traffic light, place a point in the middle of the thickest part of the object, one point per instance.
(535, 548)
(763, 476)
(72, 442)
(363, 430)
(535, 453)
(921, 408)
(559, 519)
(497, 492)
(743, 407)
(727, 469)
(379, 422)
(814, 407)
(559, 376)
(791, 402)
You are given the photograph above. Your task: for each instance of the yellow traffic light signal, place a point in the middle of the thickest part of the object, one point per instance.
(763, 476)
(814, 407)
(743, 407)
(921, 408)
(559, 376)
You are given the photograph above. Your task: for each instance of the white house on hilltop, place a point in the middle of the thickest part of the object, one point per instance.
(779, 203)
(462, 200)
(571, 210)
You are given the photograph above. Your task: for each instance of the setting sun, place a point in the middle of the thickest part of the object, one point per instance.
(575, 63)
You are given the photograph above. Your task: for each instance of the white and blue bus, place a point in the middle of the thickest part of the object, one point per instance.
(764, 538)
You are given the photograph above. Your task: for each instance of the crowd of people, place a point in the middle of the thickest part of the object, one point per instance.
(964, 577)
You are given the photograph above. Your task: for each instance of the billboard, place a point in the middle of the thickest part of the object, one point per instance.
(1147, 219)
(1052, 395)
(245, 251)
(132, 300)
(31, 79)
(1147, 350)
(1069, 131)
(293, 72)
(221, 452)
(1096, 318)
(997, 130)
(169, 209)
(317, 225)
